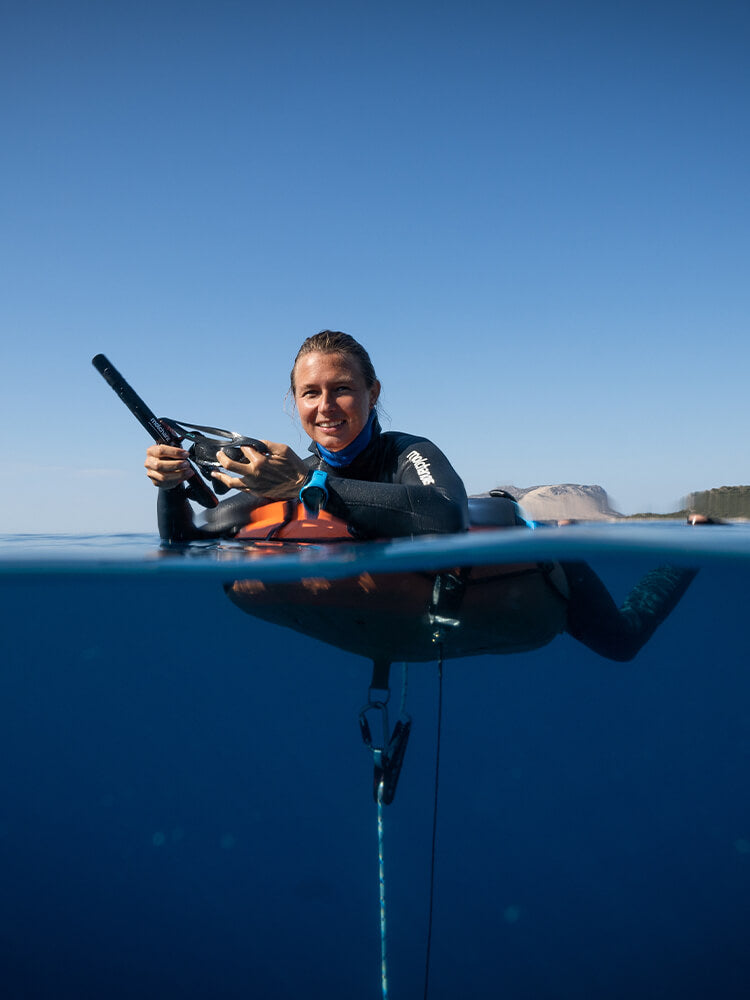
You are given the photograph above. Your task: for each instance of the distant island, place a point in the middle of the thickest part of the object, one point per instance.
(722, 502)
(572, 501)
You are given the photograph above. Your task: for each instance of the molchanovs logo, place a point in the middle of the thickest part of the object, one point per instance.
(422, 466)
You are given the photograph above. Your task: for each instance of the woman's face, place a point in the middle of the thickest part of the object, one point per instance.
(332, 398)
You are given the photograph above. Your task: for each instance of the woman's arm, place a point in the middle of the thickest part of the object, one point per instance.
(394, 510)
(422, 493)
(168, 469)
(177, 521)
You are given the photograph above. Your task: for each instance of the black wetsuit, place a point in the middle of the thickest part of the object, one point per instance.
(399, 485)
(619, 633)
(403, 485)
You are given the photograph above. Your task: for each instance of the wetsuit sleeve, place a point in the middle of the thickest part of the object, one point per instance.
(426, 496)
(422, 494)
(619, 633)
(177, 521)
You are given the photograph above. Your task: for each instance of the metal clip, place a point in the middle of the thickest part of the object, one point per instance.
(388, 753)
(379, 748)
(447, 597)
(393, 759)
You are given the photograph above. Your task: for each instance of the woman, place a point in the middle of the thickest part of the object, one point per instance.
(387, 484)
(383, 484)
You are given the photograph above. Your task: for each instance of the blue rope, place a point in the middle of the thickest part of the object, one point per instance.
(434, 826)
(381, 852)
(381, 879)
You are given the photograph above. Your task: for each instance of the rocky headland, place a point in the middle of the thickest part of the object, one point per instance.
(571, 501)
(564, 501)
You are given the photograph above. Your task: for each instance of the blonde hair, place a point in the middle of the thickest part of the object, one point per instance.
(335, 342)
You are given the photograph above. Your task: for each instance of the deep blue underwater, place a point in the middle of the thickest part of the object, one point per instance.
(187, 809)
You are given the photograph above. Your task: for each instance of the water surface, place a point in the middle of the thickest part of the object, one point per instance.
(187, 805)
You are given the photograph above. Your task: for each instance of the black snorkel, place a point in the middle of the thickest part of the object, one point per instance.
(160, 431)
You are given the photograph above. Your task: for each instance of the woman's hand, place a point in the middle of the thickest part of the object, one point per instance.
(277, 476)
(167, 466)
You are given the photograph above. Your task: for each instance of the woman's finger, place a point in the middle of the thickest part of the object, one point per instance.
(167, 451)
(242, 467)
(167, 466)
(231, 482)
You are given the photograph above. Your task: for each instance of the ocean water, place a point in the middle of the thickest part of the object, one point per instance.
(186, 805)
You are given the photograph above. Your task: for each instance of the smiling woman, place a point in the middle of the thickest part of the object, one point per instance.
(382, 484)
(387, 485)
(335, 402)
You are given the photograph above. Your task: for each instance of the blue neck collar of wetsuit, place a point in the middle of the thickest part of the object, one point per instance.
(339, 459)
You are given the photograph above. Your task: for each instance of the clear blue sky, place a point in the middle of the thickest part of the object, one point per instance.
(535, 216)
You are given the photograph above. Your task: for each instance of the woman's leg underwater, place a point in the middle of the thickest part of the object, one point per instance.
(619, 633)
